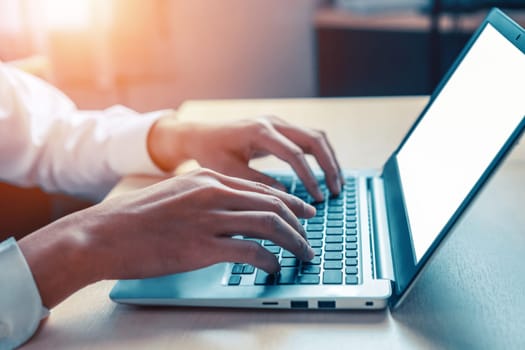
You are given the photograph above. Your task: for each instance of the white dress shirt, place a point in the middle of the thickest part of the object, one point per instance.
(46, 141)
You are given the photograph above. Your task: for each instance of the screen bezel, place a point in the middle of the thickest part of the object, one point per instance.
(406, 270)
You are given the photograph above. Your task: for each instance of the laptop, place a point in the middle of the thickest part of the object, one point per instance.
(374, 240)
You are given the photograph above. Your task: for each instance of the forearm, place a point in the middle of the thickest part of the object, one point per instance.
(46, 141)
(60, 259)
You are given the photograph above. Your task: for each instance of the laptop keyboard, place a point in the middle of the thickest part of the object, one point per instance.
(333, 235)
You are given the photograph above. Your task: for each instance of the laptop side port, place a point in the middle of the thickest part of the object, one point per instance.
(369, 303)
(326, 304)
(269, 303)
(299, 304)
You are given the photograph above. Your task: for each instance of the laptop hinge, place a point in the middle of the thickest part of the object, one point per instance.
(380, 235)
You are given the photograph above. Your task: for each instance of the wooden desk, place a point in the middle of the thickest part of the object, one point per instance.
(471, 296)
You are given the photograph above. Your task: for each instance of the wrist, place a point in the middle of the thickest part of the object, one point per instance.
(165, 143)
(61, 260)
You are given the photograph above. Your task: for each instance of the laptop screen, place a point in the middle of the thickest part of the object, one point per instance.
(460, 135)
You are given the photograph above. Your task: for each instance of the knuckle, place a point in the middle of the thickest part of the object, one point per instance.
(318, 136)
(262, 127)
(271, 118)
(205, 172)
(272, 222)
(262, 187)
(297, 153)
(277, 204)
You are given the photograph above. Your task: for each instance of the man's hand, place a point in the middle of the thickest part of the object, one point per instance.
(228, 148)
(177, 225)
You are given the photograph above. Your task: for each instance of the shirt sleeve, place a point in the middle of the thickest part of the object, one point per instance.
(46, 141)
(21, 308)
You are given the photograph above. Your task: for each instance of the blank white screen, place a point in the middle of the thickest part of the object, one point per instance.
(460, 134)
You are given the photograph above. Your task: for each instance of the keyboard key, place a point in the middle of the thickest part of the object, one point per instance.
(308, 279)
(300, 187)
(350, 239)
(274, 249)
(311, 228)
(314, 235)
(350, 206)
(351, 218)
(351, 262)
(333, 265)
(332, 277)
(334, 239)
(351, 225)
(310, 269)
(333, 256)
(351, 232)
(287, 276)
(234, 280)
(333, 216)
(248, 269)
(317, 251)
(335, 202)
(315, 243)
(300, 192)
(268, 243)
(289, 262)
(334, 224)
(351, 253)
(263, 278)
(315, 261)
(319, 206)
(334, 231)
(237, 269)
(333, 247)
(287, 254)
(316, 220)
(352, 279)
(335, 209)
(350, 212)
(351, 270)
(351, 246)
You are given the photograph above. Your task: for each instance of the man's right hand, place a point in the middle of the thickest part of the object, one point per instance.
(177, 225)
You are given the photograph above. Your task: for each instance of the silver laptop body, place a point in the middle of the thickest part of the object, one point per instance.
(402, 212)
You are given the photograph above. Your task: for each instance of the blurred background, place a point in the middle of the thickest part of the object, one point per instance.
(157, 53)
(153, 54)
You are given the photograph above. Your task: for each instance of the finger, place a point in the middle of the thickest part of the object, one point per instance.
(251, 201)
(316, 143)
(280, 146)
(240, 169)
(247, 252)
(339, 169)
(266, 225)
(299, 207)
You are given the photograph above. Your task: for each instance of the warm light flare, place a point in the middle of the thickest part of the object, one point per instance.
(67, 14)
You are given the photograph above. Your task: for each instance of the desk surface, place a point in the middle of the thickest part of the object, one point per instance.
(471, 296)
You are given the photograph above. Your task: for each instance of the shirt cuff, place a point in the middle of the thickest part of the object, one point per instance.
(128, 151)
(21, 307)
